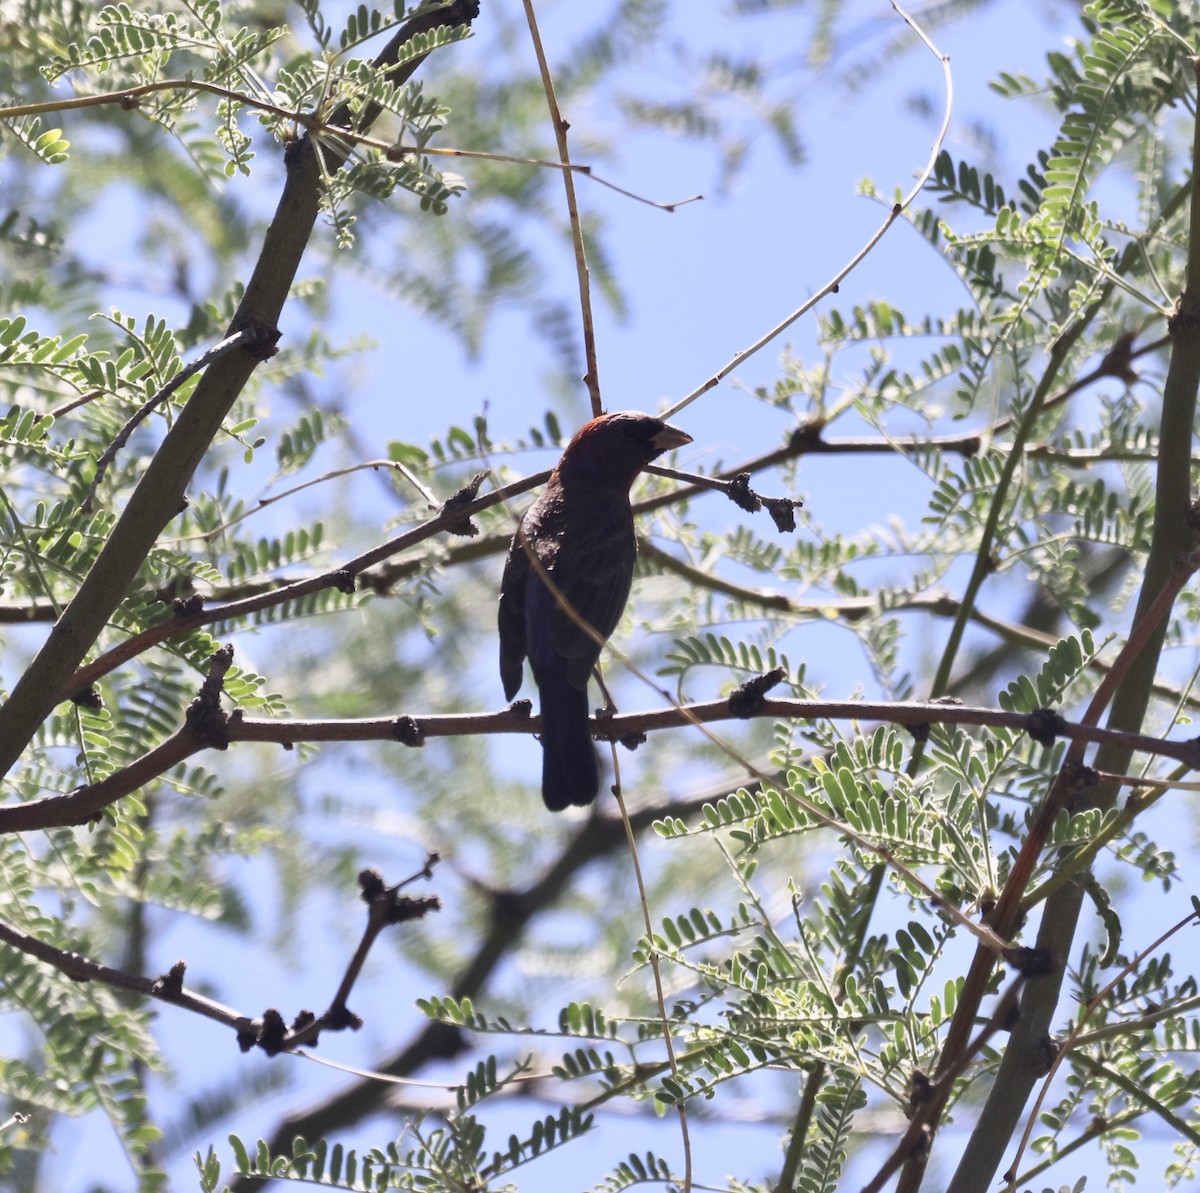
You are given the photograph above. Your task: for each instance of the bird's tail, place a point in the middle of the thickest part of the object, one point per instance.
(570, 772)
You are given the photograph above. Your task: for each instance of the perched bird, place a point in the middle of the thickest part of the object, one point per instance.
(581, 531)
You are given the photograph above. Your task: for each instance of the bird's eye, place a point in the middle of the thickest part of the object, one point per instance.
(631, 430)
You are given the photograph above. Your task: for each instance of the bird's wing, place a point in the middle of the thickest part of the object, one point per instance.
(511, 618)
(593, 568)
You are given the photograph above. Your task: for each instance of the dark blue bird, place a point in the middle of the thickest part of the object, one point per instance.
(581, 530)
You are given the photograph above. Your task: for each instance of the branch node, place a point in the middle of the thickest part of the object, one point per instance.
(205, 717)
(739, 492)
(389, 904)
(191, 606)
(1079, 777)
(1194, 745)
(340, 1018)
(920, 1088)
(1045, 1054)
(922, 1143)
(523, 708)
(170, 985)
(370, 884)
(272, 1032)
(304, 1020)
(88, 697)
(1044, 726)
(783, 512)
(408, 732)
(261, 337)
(343, 581)
(402, 908)
(807, 436)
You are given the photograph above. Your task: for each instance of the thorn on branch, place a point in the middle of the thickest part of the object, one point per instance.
(170, 985)
(464, 496)
(747, 700)
(408, 732)
(1044, 726)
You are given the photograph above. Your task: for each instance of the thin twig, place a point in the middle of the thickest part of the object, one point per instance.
(931, 1095)
(128, 98)
(324, 478)
(341, 577)
(655, 968)
(1077, 1030)
(592, 376)
(832, 285)
(385, 909)
(247, 337)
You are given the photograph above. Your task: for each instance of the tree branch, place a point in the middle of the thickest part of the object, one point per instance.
(159, 494)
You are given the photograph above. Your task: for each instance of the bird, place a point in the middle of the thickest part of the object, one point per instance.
(581, 532)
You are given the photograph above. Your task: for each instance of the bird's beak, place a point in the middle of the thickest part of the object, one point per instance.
(670, 437)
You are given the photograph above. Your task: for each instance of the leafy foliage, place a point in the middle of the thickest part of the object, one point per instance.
(792, 921)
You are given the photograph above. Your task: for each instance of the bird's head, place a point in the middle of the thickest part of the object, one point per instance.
(612, 449)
